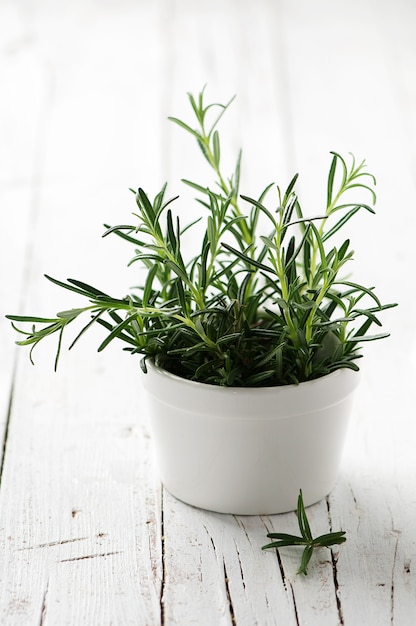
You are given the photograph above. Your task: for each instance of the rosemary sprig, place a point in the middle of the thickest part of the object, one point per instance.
(306, 540)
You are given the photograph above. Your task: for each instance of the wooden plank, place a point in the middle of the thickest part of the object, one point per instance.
(215, 571)
(80, 516)
(20, 131)
(380, 550)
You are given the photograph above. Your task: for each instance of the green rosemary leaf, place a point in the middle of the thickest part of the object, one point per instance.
(258, 379)
(356, 287)
(360, 338)
(303, 520)
(72, 287)
(30, 318)
(261, 207)
(93, 320)
(290, 541)
(270, 355)
(58, 350)
(199, 188)
(179, 271)
(236, 180)
(330, 539)
(344, 219)
(149, 285)
(70, 314)
(144, 202)
(290, 188)
(246, 258)
(306, 557)
(285, 536)
(344, 168)
(216, 148)
(116, 331)
(185, 126)
(319, 245)
(88, 289)
(331, 176)
(353, 185)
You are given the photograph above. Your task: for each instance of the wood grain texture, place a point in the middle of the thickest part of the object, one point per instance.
(87, 534)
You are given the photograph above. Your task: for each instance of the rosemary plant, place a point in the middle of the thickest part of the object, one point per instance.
(264, 302)
(306, 540)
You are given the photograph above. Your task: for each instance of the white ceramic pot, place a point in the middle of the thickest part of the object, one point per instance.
(248, 451)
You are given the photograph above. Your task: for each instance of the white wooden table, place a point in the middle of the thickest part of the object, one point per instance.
(87, 534)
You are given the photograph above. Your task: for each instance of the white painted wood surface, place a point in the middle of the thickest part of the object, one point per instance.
(87, 535)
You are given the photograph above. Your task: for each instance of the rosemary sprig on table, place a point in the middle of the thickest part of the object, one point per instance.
(306, 540)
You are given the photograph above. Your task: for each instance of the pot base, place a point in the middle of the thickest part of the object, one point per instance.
(255, 510)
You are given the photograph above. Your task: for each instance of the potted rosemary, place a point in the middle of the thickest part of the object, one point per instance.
(250, 346)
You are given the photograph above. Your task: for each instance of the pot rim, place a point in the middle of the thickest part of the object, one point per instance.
(193, 384)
